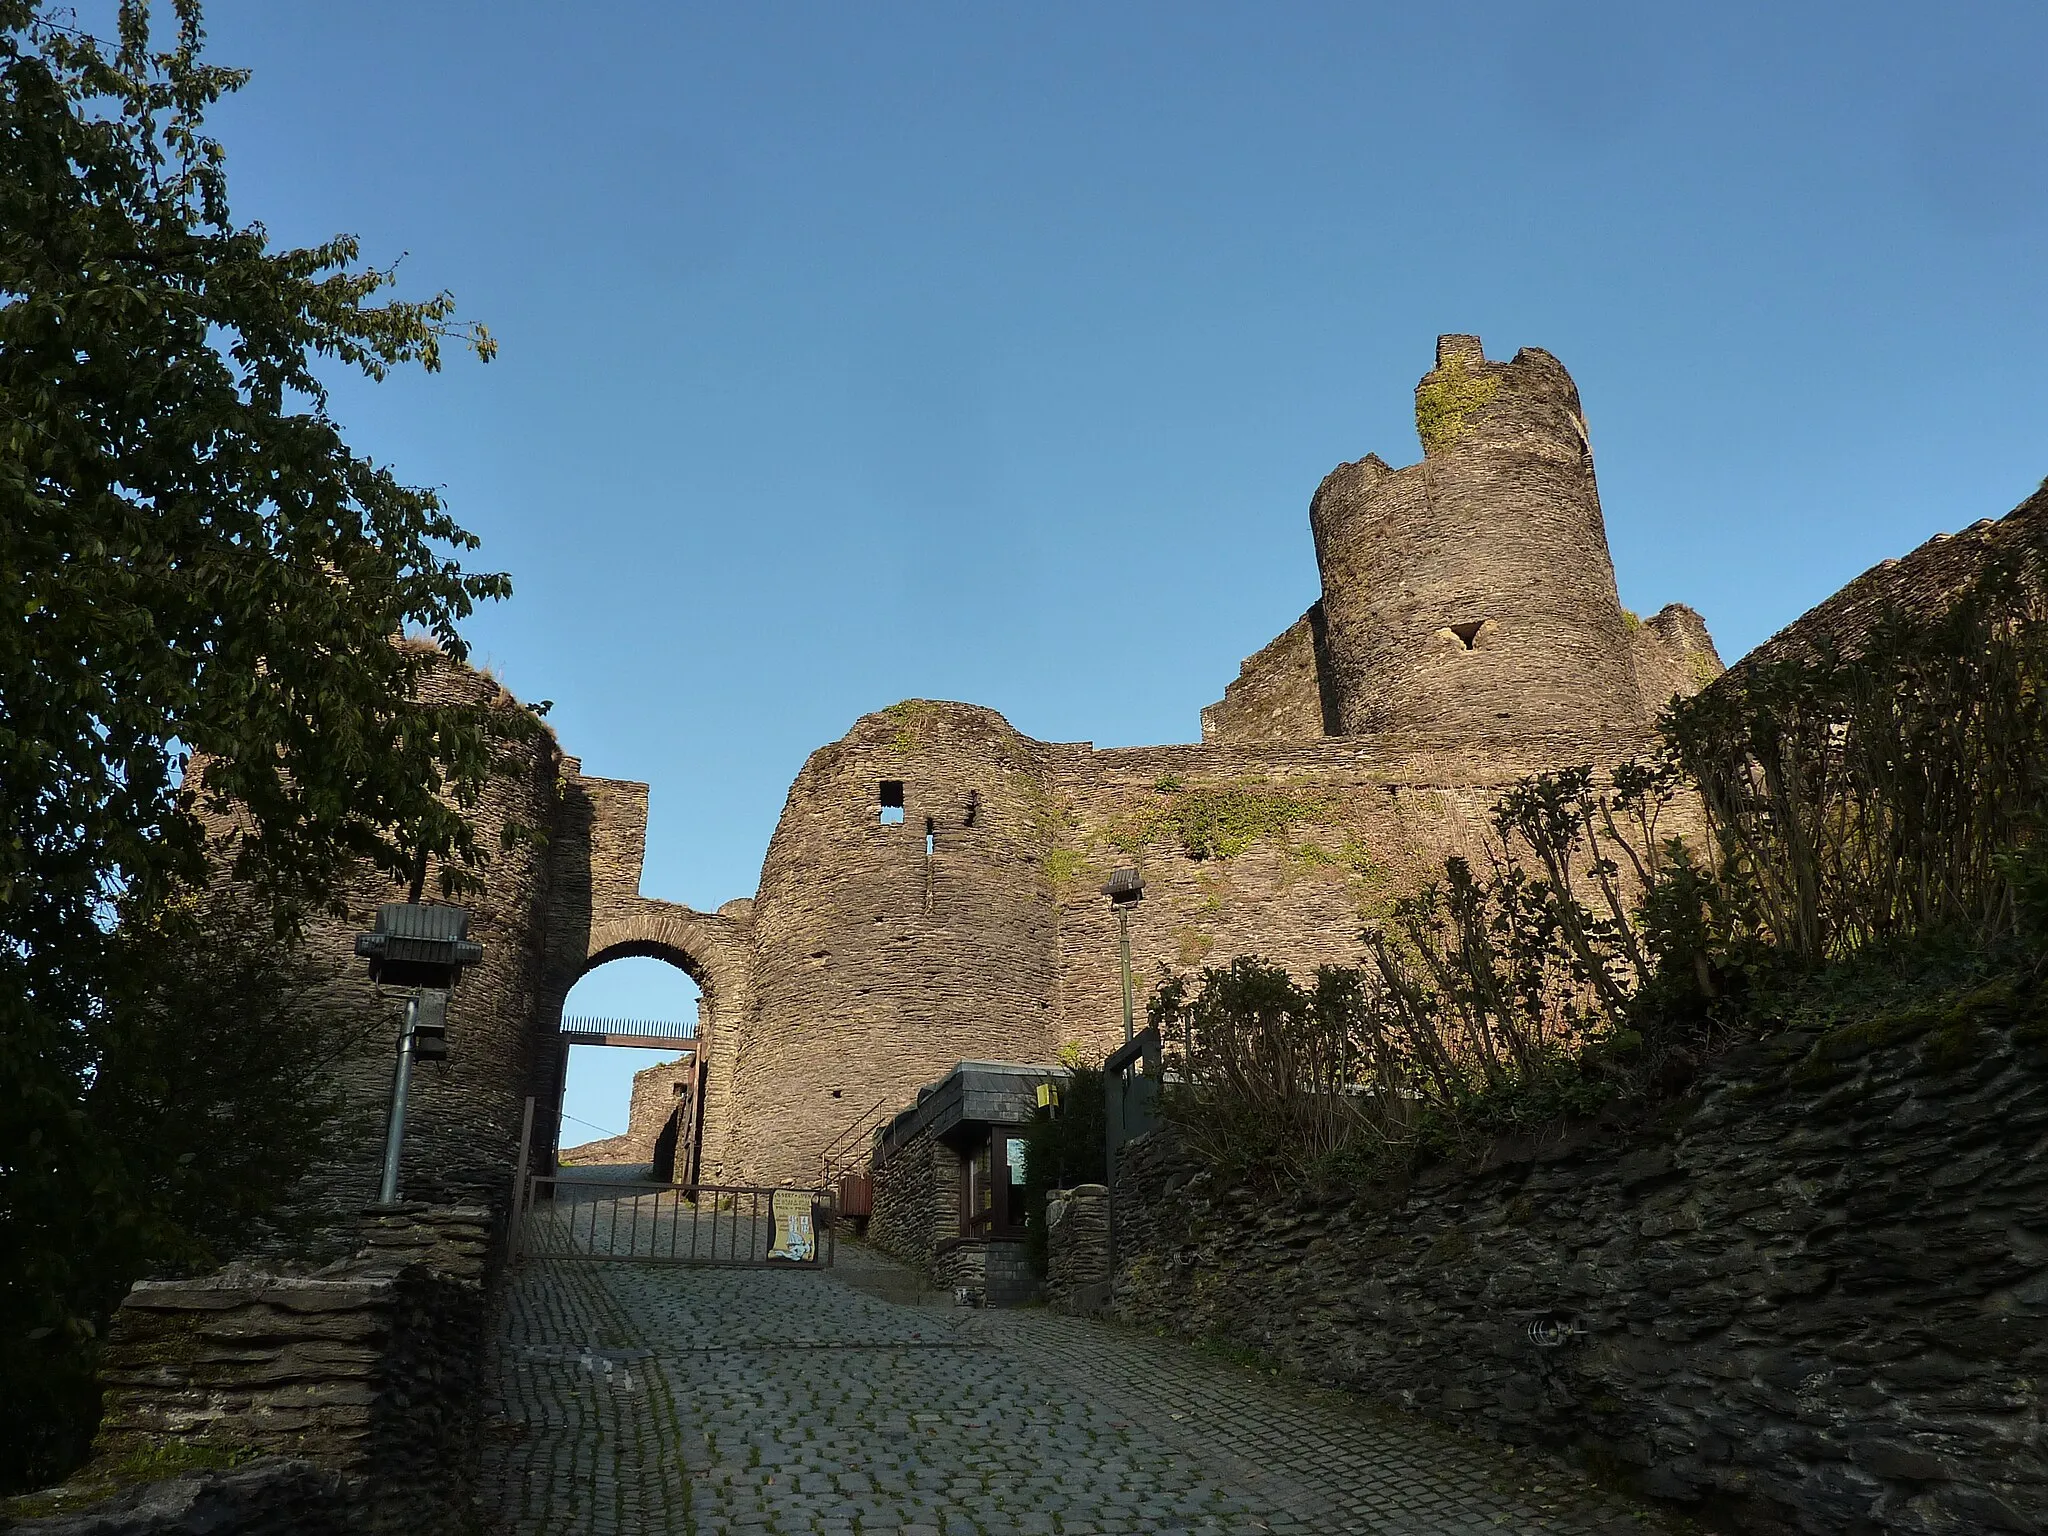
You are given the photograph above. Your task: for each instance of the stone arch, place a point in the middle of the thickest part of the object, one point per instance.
(706, 947)
(711, 948)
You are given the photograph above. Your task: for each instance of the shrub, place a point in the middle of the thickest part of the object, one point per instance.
(1063, 1147)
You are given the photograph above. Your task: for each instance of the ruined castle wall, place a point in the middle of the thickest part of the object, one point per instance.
(1281, 694)
(1473, 591)
(878, 965)
(462, 1124)
(596, 913)
(1354, 831)
(1674, 656)
(1919, 585)
(657, 1093)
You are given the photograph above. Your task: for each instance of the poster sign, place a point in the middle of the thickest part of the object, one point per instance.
(789, 1212)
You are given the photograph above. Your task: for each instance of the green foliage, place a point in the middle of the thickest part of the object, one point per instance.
(1874, 837)
(1447, 401)
(205, 1094)
(1886, 796)
(1268, 1066)
(207, 585)
(1063, 1147)
(1064, 866)
(913, 720)
(1219, 822)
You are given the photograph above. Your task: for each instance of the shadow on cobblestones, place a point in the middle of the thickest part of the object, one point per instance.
(632, 1399)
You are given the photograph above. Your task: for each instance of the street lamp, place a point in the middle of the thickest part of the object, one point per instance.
(1125, 888)
(424, 948)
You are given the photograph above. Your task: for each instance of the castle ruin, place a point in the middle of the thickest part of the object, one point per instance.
(931, 892)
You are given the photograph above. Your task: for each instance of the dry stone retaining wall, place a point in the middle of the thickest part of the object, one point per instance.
(1813, 1298)
(365, 1372)
(1078, 1249)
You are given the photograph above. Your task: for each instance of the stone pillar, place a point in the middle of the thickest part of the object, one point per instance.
(1077, 1242)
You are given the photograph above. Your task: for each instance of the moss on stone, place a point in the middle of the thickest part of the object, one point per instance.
(1064, 866)
(912, 719)
(1447, 401)
(1452, 1247)
(1957, 1043)
(1218, 821)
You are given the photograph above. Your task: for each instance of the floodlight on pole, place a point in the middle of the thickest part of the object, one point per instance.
(1125, 888)
(423, 948)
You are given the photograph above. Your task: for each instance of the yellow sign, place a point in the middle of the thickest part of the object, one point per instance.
(789, 1212)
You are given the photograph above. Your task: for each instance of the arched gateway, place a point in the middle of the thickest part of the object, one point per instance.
(596, 914)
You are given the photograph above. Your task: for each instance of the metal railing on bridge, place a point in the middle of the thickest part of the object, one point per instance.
(648, 1034)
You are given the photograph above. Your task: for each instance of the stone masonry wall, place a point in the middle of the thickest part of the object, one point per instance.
(882, 959)
(462, 1127)
(1921, 584)
(366, 1370)
(1812, 1297)
(1077, 1249)
(1377, 823)
(879, 966)
(658, 1091)
(1281, 693)
(917, 1200)
(1674, 655)
(1474, 590)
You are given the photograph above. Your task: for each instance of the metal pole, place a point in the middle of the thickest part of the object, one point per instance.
(1123, 924)
(519, 1180)
(401, 1079)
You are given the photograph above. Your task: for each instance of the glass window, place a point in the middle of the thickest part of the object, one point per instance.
(992, 1186)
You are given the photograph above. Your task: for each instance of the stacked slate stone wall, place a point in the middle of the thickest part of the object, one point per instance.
(1475, 587)
(367, 1370)
(1281, 693)
(881, 960)
(1812, 1297)
(1077, 1249)
(917, 1199)
(660, 1093)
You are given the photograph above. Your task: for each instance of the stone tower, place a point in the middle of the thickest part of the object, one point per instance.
(1472, 594)
(904, 923)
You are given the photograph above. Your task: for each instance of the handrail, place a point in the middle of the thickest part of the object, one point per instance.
(665, 1029)
(838, 1155)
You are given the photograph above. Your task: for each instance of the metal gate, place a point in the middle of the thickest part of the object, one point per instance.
(640, 1221)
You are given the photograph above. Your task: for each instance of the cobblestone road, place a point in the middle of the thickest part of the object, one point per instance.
(636, 1398)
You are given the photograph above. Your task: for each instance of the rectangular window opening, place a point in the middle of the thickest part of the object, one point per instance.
(890, 796)
(931, 837)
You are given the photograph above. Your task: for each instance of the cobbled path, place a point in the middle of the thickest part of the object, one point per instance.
(636, 1398)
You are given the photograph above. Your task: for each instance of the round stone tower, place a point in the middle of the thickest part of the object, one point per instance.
(904, 923)
(1472, 595)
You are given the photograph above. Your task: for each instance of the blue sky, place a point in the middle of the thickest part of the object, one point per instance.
(855, 353)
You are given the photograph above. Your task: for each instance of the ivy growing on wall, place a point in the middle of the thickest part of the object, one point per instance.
(1448, 399)
(1218, 822)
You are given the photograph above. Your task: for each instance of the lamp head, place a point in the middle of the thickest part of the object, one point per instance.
(1124, 887)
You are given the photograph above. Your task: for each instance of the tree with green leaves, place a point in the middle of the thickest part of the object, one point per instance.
(206, 590)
